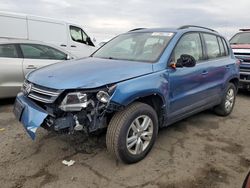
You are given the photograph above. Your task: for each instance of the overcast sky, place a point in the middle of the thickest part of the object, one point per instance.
(107, 18)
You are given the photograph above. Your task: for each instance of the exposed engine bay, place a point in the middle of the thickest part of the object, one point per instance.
(73, 110)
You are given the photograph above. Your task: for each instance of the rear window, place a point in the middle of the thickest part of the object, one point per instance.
(8, 50)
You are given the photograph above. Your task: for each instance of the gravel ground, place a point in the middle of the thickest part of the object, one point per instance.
(202, 151)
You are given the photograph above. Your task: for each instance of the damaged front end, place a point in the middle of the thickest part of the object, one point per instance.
(64, 111)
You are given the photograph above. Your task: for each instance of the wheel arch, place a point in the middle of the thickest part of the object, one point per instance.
(154, 99)
(157, 102)
(235, 81)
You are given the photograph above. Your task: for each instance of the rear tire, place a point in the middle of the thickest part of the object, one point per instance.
(132, 132)
(227, 104)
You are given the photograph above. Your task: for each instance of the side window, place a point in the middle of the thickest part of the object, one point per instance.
(222, 49)
(8, 50)
(189, 44)
(37, 51)
(77, 34)
(213, 50)
(226, 47)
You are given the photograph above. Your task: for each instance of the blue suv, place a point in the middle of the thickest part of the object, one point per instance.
(135, 84)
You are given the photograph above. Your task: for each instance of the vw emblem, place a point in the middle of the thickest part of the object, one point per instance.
(28, 88)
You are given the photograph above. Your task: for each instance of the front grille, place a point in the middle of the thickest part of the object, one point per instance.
(242, 53)
(243, 56)
(245, 70)
(40, 93)
(244, 78)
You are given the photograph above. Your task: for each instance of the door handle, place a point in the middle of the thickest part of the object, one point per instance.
(31, 67)
(227, 67)
(204, 73)
(63, 45)
(73, 46)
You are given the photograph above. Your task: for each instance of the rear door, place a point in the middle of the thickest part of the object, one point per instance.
(218, 61)
(11, 73)
(36, 56)
(188, 84)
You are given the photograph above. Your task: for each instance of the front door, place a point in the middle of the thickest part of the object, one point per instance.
(187, 84)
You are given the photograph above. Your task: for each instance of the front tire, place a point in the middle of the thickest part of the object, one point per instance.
(132, 132)
(227, 104)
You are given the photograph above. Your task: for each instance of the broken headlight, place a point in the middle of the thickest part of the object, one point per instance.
(74, 101)
(103, 96)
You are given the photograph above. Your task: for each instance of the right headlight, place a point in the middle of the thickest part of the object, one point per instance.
(74, 101)
(103, 96)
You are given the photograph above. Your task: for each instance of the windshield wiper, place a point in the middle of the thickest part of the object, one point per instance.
(108, 57)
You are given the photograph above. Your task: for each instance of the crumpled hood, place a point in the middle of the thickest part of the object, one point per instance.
(88, 73)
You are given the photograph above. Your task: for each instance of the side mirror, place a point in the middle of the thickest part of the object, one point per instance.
(185, 60)
(88, 40)
(68, 57)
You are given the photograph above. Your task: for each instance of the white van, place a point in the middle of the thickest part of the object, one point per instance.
(70, 37)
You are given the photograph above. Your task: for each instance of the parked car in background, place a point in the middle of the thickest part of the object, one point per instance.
(69, 36)
(240, 44)
(135, 84)
(19, 57)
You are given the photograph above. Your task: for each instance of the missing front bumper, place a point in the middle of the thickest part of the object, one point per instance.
(29, 114)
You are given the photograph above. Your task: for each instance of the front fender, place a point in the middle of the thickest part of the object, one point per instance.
(130, 90)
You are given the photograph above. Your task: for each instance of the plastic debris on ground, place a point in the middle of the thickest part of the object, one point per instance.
(68, 163)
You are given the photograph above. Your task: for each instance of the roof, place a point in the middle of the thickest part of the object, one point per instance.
(13, 41)
(182, 29)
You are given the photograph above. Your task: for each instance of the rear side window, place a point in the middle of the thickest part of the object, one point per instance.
(37, 51)
(212, 46)
(8, 50)
(222, 48)
(226, 47)
(189, 44)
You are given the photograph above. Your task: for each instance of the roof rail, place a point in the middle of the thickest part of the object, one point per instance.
(188, 26)
(244, 29)
(136, 29)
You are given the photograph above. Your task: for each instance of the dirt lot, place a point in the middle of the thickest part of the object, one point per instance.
(202, 151)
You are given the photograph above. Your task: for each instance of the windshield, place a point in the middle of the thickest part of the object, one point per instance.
(241, 38)
(146, 47)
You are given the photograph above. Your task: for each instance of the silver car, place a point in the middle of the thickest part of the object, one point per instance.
(18, 57)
